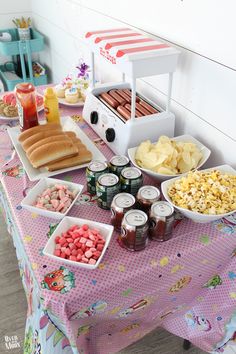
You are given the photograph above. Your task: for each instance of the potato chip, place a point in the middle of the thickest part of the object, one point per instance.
(167, 156)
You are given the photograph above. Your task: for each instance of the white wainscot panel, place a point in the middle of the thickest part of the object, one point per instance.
(59, 41)
(204, 87)
(202, 26)
(13, 6)
(223, 148)
(6, 19)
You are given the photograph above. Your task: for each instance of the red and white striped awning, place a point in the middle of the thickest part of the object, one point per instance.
(126, 44)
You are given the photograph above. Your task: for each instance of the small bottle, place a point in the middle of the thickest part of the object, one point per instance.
(51, 107)
(26, 104)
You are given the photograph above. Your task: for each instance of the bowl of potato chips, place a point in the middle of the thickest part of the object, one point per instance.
(169, 157)
(203, 196)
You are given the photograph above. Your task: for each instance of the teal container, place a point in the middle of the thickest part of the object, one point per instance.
(10, 84)
(21, 48)
(36, 44)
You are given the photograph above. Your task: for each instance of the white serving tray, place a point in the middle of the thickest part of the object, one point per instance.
(68, 124)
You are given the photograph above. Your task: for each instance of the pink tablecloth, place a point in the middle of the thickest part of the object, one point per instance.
(186, 285)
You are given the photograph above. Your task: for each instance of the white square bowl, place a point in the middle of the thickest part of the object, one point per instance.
(105, 230)
(183, 138)
(44, 183)
(195, 216)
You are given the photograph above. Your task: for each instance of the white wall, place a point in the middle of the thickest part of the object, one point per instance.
(205, 82)
(10, 9)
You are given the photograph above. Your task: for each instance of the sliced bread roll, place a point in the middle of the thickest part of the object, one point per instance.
(50, 139)
(82, 157)
(53, 151)
(42, 127)
(40, 136)
(60, 137)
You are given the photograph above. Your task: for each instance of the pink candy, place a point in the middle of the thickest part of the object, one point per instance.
(80, 244)
(56, 198)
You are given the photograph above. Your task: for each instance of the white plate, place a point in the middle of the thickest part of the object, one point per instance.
(161, 177)
(29, 201)
(193, 215)
(105, 230)
(10, 119)
(65, 103)
(68, 124)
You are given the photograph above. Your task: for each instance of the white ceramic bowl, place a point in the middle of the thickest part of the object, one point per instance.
(44, 183)
(105, 230)
(195, 216)
(161, 177)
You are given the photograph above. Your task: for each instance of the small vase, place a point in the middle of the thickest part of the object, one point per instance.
(24, 34)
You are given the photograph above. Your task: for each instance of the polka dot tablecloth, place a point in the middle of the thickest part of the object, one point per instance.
(186, 285)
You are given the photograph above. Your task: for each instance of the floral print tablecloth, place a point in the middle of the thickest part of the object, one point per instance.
(186, 285)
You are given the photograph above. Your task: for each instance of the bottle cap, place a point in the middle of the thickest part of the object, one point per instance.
(49, 92)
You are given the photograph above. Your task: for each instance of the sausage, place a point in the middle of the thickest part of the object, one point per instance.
(128, 93)
(117, 97)
(148, 107)
(110, 100)
(143, 110)
(137, 113)
(124, 95)
(124, 112)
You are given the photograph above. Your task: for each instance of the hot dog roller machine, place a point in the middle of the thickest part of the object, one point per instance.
(136, 56)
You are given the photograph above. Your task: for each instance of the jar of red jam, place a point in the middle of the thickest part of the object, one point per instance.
(121, 203)
(26, 104)
(146, 196)
(161, 221)
(134, 230)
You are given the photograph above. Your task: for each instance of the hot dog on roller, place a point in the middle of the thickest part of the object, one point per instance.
(148, 107)
(123, 96)
(124, 112)
(143, 110)
(137, 113)
(128, 93)
(109, 99)
(117, 97)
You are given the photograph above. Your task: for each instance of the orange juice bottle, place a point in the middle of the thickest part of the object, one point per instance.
(51, 107)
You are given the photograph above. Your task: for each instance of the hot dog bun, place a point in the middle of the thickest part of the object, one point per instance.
(50, 139)
(52, 152)
(39, 136)
(43, 127)
(82, 157)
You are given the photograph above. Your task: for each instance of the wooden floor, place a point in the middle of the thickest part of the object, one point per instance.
(13, 310)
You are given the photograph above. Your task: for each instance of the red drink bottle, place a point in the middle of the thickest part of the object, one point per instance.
(26, 104)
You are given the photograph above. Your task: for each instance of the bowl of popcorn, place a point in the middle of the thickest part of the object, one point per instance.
(79, 242)
(203, 196)
(52, 197)
(169, 157)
